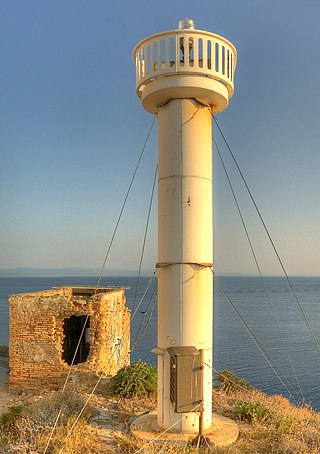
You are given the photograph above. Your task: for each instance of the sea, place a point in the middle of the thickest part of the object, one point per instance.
(262, 331)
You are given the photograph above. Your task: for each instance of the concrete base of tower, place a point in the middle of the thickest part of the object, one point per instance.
(223, 431)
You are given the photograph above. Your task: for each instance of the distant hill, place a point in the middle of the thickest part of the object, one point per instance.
(59, 272)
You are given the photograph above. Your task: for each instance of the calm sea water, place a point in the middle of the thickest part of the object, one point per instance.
(276, 324)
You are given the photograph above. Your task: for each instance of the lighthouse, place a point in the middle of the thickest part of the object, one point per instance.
(184, 76)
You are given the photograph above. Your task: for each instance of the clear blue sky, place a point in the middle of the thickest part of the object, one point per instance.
(72, 129)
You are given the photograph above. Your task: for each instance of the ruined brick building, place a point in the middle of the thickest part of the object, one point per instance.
(46, 327)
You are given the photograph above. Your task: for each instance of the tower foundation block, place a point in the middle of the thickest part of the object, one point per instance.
(223, 431)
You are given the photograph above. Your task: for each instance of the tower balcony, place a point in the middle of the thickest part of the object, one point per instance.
(204, 63)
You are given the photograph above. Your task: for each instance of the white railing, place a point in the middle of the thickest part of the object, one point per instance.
(185, 52)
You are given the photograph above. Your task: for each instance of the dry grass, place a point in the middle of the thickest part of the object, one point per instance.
(268, 424)
(28, 430)
(32, 438)
(282, 429)
(278, 427)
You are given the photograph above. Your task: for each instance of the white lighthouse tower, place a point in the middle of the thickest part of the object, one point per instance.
(184, 76)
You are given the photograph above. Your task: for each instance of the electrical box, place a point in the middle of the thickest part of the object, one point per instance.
(185, 379)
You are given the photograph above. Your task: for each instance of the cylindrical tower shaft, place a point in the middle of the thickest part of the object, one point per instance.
(183, 76)
(185, 251)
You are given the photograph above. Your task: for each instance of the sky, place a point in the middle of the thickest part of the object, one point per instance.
(72, 129)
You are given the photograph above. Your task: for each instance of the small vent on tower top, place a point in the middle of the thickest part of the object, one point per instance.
(186, 24)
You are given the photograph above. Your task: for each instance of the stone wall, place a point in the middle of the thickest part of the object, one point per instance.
(45, 328)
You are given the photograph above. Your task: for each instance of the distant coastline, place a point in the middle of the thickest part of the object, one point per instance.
(65, 272)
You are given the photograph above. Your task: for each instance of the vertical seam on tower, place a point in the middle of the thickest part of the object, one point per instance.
(181, 230)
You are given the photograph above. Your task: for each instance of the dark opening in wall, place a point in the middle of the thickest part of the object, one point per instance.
(72, 329)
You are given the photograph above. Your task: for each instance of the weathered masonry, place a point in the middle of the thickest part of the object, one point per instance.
(46, 328)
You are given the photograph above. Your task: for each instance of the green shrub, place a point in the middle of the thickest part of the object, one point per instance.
(230, 382)
(247, 411)
(7, 421)
(139, 379)
(284, 425)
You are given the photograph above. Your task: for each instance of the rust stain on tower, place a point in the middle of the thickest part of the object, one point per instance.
(45, 328)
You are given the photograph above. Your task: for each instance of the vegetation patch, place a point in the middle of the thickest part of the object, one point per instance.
(229, 382)
(252, 412)
(137, 380)
(268, 424)
(7, 422)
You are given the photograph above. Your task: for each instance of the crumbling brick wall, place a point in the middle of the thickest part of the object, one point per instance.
(38, 334)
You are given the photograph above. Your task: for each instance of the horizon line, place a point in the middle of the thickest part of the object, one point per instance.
(94, 272)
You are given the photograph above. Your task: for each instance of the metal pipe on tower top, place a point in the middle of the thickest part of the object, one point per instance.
(183, 76)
